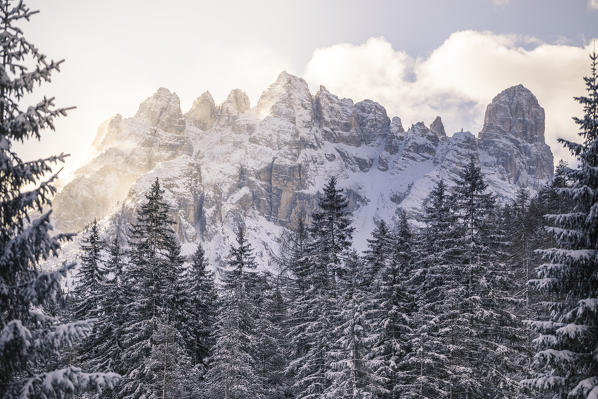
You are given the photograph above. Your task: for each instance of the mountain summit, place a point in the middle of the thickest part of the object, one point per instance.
(228, 163)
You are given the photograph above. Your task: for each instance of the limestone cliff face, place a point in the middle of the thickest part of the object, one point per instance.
(163, 111)
(203, 112)
(512, 139)
(227, 164)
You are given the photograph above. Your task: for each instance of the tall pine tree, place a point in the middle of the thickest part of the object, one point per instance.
(435, 342)
(201, 304)
(352, 371)
(233, 370)
(392, 306)
(149, 333)
(567, 361)
(491, 334)
(311, 335)
(30, 336)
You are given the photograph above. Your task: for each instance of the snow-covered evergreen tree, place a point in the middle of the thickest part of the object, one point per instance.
(488, 295)
(233, 371)
(566, 360)
(269, 345)
(201, 303)
(393, 306)
(89, 297)
(109, 325)
(379, 253)
(150, 278)
(352, 372)
(435, 340)
(293, 261)
(90, 278)
(331, 233)
(30, 336)
(312, 318)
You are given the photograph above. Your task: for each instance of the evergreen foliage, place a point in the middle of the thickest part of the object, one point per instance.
(149, 332)
(435, 340)
(201, 304)
(311, 332)
(233, 369)
(31, 335)
(391, 316)
(566, 361)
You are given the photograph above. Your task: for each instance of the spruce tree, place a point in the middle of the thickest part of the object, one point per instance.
(30, 335)
(201, 304)
(233, 370)
(393, 307)
(491, 334)
(331, 233)
(109, 326)
(434, 345)
(90, 278)
(269, 349)
(566, 361)
(293, 261)
(150, 278)
(379, 253)
(311, 334)
(352, 371)
(88, 297)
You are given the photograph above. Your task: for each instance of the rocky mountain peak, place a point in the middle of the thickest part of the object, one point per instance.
(515, 112)
(438, 128)
(288, 98)
(396, 126)
(107, 133)
(372, 120)
(513, 137)
(163, 111)
(236, 103)
(343, 121)
(203, 112)
(419, 128)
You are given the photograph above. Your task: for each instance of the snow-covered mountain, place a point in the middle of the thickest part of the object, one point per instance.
(262, 166)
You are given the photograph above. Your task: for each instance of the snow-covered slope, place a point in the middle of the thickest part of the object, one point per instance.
(230, 163)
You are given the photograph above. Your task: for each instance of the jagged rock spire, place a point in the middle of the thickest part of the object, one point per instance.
(163, 111)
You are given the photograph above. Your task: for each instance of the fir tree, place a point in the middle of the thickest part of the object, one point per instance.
(566, 361)
(434, 344)
(379, 252)
(88, 297)
(351, 372)
(201, 303)
(89, 286)
(292, 260)
(331, 233)
(491, 334)
(107, 354)
(233, 371)
(30, 336)
(154, 259)
(312, 319)
(269, 338)
(393, 308)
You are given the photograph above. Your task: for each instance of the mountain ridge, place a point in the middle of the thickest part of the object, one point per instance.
(230, 163)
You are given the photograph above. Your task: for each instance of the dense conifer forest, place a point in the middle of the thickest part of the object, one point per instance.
(472, 298)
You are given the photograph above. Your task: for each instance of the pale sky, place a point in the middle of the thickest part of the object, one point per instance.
(417, 58)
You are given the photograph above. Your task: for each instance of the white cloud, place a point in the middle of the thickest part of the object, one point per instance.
(458, 79)
(593, 4)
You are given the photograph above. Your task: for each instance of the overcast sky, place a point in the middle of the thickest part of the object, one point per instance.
(418, 58)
